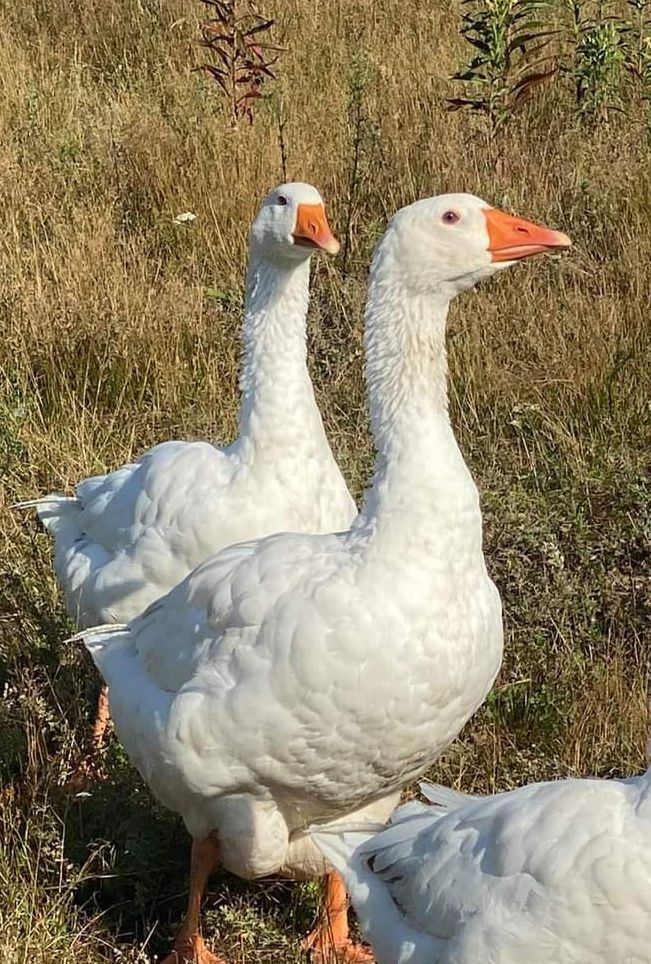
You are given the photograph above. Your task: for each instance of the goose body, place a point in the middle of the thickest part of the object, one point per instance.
(243, 699)
(128, 537)
(302, 679)
(549, 872)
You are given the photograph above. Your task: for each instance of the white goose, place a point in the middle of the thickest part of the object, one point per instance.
(304, 678)
(128, 537)
(552, 873)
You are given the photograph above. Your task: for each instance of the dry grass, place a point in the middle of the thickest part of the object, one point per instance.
(110, 341)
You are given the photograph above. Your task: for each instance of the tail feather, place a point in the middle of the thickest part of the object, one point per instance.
(338, 844)
(54, 499)
(444, 797)
(393, 937)
(58, 513)
(84, 634)
(139, 709)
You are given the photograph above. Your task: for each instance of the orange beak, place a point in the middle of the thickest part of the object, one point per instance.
(512, 239)
(312, 229)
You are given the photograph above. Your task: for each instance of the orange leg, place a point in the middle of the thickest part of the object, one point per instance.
(90, 768)
(102, 718)
(330, 943)
(189, 947)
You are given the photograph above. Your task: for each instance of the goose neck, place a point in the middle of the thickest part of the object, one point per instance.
(406, 364)
(277, 399)
(420, 480)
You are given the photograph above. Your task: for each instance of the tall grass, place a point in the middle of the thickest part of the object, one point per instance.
(118, 329)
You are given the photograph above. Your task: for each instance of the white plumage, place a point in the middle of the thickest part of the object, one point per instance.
(128, 537)
(552, 872)
(301, 679)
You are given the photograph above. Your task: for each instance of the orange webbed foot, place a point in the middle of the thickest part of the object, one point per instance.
(325, 950)
(192, 950)
(88, 771)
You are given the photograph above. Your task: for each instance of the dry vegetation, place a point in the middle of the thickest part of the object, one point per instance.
(118, 329)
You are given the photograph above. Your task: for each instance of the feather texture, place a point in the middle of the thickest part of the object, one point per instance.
(128, 537)
(550, 872)
(303, 679)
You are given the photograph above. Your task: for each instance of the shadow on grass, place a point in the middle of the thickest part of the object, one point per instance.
(137, 859)
(130, 856)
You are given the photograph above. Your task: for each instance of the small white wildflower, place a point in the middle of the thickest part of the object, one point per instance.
(185, 218)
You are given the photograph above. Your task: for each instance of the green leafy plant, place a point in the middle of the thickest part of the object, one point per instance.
(242, 59)
(598, 43)
(638, 49)
(511, 59)
(572, 20)
(600, 55)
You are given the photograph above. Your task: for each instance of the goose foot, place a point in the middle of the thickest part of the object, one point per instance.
(189, 947)
(325, 951)
(102, 718)
(329, 943)
(89, 770)
(192, 950)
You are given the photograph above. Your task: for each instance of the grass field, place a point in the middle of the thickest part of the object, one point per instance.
(118, 329)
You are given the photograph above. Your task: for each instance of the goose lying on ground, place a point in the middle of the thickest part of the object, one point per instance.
(301, 679)
(128, 537)
(552, 873)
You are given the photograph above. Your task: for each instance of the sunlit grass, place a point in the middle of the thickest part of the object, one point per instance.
(118, 329)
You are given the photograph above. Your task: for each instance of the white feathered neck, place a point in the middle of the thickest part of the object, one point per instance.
(420, 481)
(278, 411)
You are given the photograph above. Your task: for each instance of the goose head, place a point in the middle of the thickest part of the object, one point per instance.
(291, 224)
(450, 242)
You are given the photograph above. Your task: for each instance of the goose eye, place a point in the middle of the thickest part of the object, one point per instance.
(450, 217)
(282, 199)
